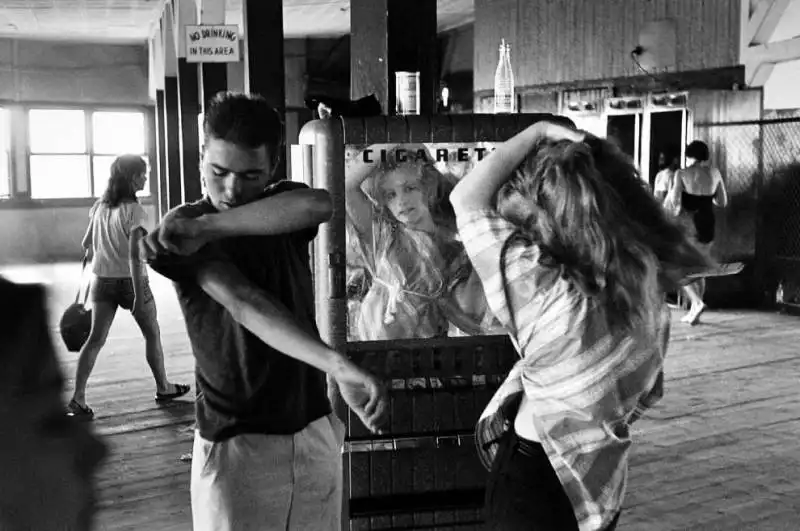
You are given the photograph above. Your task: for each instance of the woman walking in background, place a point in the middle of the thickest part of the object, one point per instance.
(116, 224)
(695, 191)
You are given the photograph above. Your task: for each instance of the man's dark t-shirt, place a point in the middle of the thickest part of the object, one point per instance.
(243, 385)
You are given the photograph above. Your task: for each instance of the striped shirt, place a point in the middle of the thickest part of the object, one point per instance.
(586, 384)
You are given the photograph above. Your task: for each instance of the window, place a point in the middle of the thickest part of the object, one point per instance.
(71, 150)
(59, 165)
(5, 154)
(114, 134)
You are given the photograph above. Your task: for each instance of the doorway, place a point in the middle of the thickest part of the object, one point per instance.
(624, 130)
(666, 135)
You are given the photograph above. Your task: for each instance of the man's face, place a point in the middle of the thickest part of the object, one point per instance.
(235, 175)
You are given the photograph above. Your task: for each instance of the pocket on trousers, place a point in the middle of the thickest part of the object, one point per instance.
(339, 430)
(204, 455)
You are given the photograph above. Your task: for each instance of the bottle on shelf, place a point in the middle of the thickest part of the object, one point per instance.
(504, 100)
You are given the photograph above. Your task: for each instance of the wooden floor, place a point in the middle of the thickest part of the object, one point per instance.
(721, 452)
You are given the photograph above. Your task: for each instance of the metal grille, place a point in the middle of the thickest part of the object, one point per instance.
(780, 202)
(735, 150)
(761, 165)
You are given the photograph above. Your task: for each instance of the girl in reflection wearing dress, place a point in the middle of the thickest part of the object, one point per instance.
(415, 277)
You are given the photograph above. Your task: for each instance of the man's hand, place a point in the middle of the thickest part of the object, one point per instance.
(176, 234)
(364, 394)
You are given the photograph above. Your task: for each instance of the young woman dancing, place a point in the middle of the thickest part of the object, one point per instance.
(420, 283)
(116, 224)
(696, 190)
(575, 257)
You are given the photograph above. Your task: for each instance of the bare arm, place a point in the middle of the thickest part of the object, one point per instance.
(675, 192)
(720, 192)
(359, 207)
(278, 214)
(476, 191)
(86, 243)
(266, 317)
(134, 260)
(281, 213)
(270, 321)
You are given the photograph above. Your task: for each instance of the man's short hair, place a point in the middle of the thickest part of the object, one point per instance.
(246, 120)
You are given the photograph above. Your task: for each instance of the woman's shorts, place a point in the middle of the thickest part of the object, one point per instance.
(119, 292)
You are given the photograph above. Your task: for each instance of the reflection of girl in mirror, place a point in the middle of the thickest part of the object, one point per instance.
(420, 281)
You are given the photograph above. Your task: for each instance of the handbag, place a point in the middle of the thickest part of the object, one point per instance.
(76, 322)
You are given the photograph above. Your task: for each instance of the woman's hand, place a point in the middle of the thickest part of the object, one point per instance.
(556, 132)
(476, 190)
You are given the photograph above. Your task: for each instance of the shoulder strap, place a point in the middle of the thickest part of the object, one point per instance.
(83, 270)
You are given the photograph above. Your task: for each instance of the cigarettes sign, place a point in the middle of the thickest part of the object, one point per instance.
(212, 44)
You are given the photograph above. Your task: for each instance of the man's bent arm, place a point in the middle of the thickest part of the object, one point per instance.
(266, 317)
(282, 213)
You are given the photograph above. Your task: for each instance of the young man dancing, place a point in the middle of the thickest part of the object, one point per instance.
(267, 450)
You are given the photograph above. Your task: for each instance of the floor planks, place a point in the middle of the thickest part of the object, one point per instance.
(721, 452)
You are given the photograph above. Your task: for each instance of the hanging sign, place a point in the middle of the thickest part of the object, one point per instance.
(212, 44)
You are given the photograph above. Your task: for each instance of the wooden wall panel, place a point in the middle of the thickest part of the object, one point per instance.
(559, 41)
(735, 150)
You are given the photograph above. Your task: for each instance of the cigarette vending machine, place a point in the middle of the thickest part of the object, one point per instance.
(424, 472)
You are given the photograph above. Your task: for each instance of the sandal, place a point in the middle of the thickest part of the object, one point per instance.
(77, 411)
(180, 390)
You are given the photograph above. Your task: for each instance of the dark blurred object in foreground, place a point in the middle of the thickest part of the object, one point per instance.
(47, 460)
(335, 108)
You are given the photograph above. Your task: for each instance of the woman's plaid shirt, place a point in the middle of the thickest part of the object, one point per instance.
(586, 385)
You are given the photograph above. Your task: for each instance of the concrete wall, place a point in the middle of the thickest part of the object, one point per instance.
(54, 73)
(45, 234)
(34, 73)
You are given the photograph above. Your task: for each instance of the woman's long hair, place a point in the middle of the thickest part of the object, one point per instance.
(120, 187)
(592, 217)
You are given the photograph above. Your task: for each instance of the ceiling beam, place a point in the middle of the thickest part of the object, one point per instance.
(184, 13)
(763, 20)
(168, 41)
(759, 60)
(155, 64)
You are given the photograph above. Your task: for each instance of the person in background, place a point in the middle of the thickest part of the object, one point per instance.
(48, 462)
(267, 448)
(668, 163)
(696, 190)
(116, 225)
(575, 256)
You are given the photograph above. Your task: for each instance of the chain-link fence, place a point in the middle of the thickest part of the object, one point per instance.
(761, 165)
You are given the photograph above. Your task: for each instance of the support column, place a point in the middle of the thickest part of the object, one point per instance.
(264, 69)
(172, 136)
(189, 110)
(388, 36)
(158, 173)
(185, 13)
(172, 123)
(213, 76)
(161, 150)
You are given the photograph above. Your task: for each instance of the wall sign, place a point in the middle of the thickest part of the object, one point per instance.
(212, 44)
